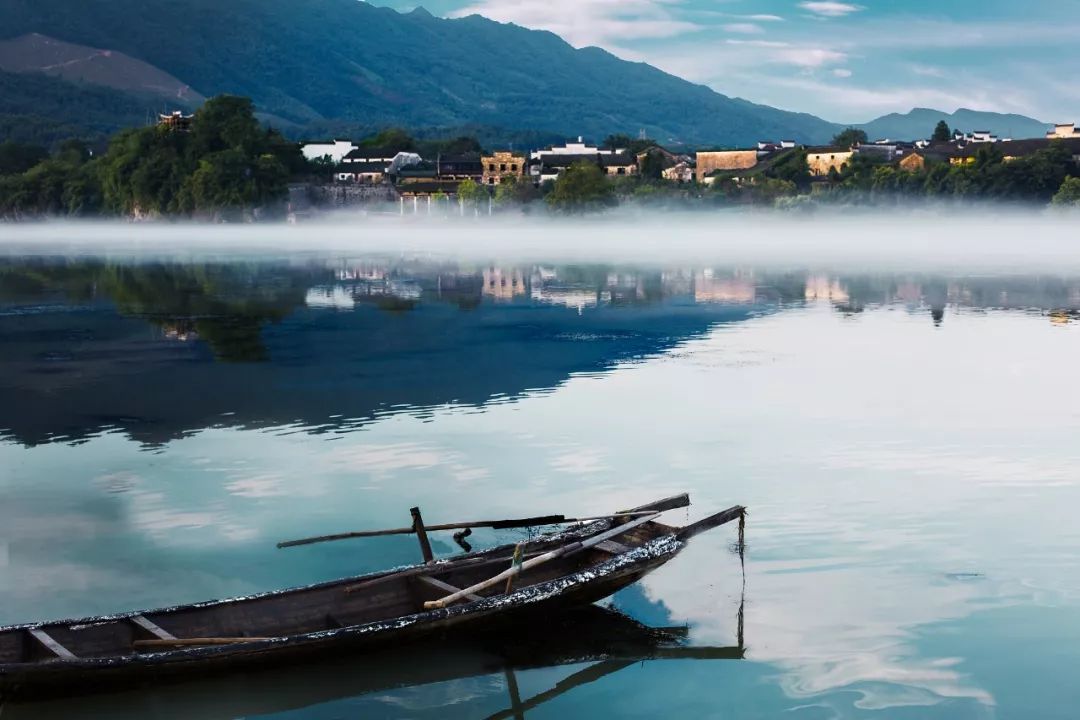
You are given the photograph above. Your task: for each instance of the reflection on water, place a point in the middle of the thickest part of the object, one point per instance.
(579, 648)
(905, 443)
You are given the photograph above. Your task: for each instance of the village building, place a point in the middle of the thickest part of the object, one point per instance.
(574, 148)
(370, 155)
(335, 150)
(176, 121)
(371, 173)
(682, 172)
(1063, 131)
(501, 165)
(823, 160)
(458, 167)
(1015, 149)
(710, 162)
(613, 164)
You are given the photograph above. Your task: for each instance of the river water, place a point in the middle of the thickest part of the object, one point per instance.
(906, 443)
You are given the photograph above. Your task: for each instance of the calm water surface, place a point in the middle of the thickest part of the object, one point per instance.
(907, 445)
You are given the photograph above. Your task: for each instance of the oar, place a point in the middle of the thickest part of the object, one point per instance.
(539, 560)
(494, 524)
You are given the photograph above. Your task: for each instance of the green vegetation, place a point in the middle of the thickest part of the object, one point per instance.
(942, 133)
(850, 138)
(42, 110)
(1032, 179)
(1068, 195)
(580, 188)
(227, 165)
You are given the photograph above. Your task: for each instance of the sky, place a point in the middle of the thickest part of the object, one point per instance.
(844, 61)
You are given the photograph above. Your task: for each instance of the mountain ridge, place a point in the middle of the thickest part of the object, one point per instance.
(347, 63)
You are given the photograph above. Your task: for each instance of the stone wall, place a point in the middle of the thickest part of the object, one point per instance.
(350, 195)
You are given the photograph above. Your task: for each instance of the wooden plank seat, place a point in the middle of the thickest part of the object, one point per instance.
(615, 548)
(51, 645)
(152, 628)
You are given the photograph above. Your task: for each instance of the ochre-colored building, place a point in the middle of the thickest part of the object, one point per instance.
(501, 165)
(913, 162)
(822, 161)
(709, 162)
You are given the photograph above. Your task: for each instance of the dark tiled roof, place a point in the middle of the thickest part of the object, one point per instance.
(362, 167)
(1020, 148)
(366, 153)
(827, 149)
(565, 161)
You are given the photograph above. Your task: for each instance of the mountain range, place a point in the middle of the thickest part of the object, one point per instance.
(335, 66)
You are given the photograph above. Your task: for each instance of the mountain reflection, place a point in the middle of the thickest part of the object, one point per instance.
(330, 344)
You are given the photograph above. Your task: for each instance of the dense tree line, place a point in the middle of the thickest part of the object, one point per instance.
(226, 164)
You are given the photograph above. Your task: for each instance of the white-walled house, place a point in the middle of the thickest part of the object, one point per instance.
(336, 150)
(574, 148)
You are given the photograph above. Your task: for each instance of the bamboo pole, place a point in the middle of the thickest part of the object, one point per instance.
(540, 560)
(496, 524)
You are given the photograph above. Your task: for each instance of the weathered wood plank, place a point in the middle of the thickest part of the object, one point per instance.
(152, 628)
(615, 548)
(51, 645)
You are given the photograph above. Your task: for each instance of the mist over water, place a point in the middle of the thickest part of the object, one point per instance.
(974, 238)
(892, 396)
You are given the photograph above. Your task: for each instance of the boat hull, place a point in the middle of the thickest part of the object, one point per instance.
(27, 681)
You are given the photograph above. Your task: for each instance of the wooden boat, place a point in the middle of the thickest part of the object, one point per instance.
(603, 640)
(575, 567)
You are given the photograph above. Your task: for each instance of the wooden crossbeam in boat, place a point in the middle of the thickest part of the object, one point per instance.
(445, 587)
(54, 647)
(615, 548)
(152, 628)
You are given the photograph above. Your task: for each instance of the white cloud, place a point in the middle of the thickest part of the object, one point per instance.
(830, 8)
(842, 73)
(810, 57)
(604, 23)
(744, 28)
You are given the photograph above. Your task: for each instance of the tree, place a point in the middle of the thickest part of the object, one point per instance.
(581, 187)
(393, 140)
(16, 159)
(850, 138)
(515, 190)
(942, 133)
(1068, 195)
(470, 193)
(792, 167)
(652, 166)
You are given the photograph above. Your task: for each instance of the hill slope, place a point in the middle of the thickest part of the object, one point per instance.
(82, 64)
(920, 123)
(347, 60)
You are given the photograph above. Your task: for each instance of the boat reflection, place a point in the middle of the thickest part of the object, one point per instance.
(604, 640)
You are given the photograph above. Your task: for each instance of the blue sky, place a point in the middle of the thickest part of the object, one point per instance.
(845, 61)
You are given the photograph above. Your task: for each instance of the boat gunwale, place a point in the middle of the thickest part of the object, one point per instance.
(436, 567)
(666, 546)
